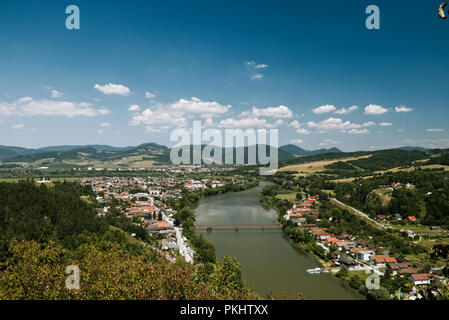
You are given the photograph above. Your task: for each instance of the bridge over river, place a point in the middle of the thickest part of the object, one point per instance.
(237, 227)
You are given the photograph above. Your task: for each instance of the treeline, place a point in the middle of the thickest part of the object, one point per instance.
(376, 161)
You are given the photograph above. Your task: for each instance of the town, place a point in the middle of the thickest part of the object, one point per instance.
(144, 201)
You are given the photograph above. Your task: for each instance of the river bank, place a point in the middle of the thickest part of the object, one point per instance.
(270, 263)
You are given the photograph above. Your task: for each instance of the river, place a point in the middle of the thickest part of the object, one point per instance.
(269, 262)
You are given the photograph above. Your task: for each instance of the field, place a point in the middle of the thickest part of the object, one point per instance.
(430, 237)
(351, 179)
(308, 168)
(286, 196)
(428, 166)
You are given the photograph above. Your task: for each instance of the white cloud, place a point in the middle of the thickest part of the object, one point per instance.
(208, 123)
(111, 88)
(103, 111)
(248, 123)
(27, 106)
(297, 141)
(385, 124)
(105, 124)
(373, 109)
(299, 129)
(358, 131)
(333, 124)
(369, 124)
(435, 130)
(100, 131)
(261, 66)
(273, 112)
(256, 76)
(56, 94)
(256, 68)
(18, 126)
(402, 109)
(160, 116)
(149, 95)
(328, 142)
(195, 105)
(152, 130)
(176, 114)
(134, 107)
(346, 110)
(324, 109)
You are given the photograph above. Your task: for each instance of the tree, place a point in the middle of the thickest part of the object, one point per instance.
(378, 294)
(355, 282)
(343, 272)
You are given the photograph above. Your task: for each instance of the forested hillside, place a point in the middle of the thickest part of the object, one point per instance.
(44, 229)
(426, 198)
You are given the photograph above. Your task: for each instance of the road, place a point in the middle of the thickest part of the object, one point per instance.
(360, 213)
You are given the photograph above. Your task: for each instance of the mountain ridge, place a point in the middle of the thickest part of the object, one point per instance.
(143, 155)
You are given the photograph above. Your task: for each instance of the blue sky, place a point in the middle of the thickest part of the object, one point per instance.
(247, 64)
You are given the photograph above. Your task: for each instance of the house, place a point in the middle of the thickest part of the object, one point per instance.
(344, 258)
(408, 271)
(381, 260)
(160, 226)
(420, 278)
(330, 241)
(435, 228)
(412, 218)
(335, 254)
(395, 267)
(365, 255)
(397, 217)
(381, 217)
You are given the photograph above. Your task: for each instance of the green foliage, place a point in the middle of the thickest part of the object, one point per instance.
(343, 272)
(429, 201)
(41, 213)
(45, 229)
(37, 271)
(378, 294)
(356, 282)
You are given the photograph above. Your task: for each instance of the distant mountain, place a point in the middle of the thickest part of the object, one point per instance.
(142, 155)
(95, 146)
(408, 148)
(149, 154)
(8, 152)
(300, 152)
(282, 154)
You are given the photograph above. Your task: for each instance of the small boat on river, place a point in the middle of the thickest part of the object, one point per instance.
(317, 270)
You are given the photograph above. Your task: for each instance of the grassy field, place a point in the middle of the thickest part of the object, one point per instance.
(287, 196)
(308, 168)
(434, 236)
(428, 166)
(350, 179)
